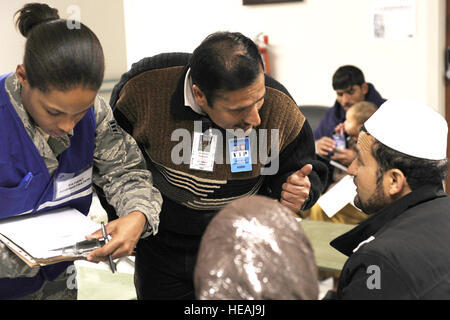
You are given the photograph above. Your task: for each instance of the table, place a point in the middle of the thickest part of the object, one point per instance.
(97, 282)
(320, 234)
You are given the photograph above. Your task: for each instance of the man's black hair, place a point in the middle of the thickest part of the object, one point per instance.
(346, 77)
(225, 61)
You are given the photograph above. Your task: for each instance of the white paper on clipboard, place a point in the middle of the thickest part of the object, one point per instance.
(38, 234)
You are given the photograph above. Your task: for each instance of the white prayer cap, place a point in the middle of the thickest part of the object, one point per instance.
(410, 127)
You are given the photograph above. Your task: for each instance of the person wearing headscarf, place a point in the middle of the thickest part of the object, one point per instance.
(255, 249)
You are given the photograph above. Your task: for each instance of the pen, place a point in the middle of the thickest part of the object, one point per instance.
(26, 180)
(105, 235)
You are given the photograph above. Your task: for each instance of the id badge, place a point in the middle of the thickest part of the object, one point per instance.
(240, 155)
(67, 184)
(203, 151)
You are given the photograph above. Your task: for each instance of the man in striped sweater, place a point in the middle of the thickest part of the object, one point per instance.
(258, 142)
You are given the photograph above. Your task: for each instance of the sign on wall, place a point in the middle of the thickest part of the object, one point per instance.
(394, 19)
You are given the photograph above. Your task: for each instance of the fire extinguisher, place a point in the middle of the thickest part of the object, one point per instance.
(262, 41)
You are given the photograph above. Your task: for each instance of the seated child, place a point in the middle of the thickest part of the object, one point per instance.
(355, 118)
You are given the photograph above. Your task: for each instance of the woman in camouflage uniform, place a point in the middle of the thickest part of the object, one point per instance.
(54, 125)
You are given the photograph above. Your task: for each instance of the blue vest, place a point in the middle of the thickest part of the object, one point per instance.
(27, 187)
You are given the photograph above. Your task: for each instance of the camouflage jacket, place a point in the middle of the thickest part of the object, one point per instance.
(119, 170)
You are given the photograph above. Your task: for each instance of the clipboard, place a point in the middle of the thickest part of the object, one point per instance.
(34, 237)
(35, 262)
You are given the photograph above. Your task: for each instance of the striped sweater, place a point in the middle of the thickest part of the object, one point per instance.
(148, 103)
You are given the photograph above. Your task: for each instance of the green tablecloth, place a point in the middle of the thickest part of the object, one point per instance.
(320, 235)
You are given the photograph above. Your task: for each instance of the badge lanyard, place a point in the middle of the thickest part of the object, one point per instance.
(203, 151)
(240, 155)
(204, 147)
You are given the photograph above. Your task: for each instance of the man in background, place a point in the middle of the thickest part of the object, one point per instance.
(351, 87)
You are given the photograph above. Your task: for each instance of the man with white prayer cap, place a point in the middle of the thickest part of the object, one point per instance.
(402, 251)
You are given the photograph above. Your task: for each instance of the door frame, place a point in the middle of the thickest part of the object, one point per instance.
(447, 84)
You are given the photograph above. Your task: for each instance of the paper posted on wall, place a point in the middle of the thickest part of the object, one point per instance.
(393, 19)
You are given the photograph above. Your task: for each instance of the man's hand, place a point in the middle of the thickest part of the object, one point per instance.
(344, 156)
(125, 233)
(296, 189)
(325, 145)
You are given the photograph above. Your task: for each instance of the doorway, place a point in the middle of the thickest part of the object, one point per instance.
(447, 86)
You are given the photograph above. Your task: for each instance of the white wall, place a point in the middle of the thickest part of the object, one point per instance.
(15, 42)
(104, 17)
(309, 40)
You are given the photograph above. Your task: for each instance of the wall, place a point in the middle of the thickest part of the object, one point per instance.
(104, 17)
(309, 40)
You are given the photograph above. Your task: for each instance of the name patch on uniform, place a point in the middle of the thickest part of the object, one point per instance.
(68, 184)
